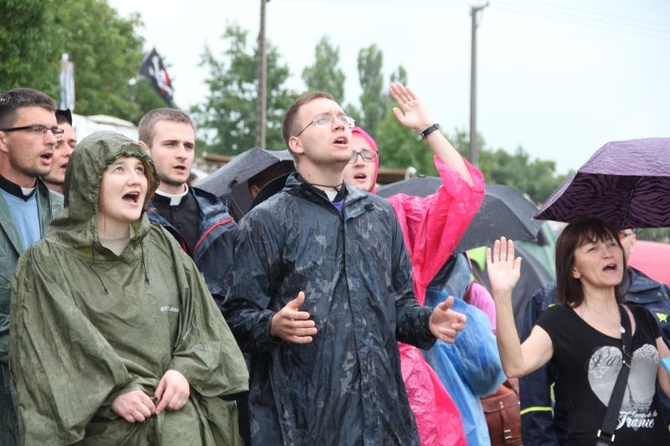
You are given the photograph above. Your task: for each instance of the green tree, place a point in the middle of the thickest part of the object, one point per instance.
(228, 116)
(374, 101)
(104, 47)
(401, 147)
(461, 141)
(26, 54)
(400, 75)
(325, 75)
(106, 51)
(654, 234)
(535, 178)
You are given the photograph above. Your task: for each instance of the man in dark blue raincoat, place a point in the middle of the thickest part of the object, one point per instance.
(322, 292)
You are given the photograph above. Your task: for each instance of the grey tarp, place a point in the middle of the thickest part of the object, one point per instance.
(88, 325)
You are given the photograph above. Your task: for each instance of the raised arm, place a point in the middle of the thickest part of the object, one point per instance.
(414, 115)
(504, 271)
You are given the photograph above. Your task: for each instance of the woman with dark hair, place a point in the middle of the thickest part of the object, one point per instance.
(115, 337)
(582, 335)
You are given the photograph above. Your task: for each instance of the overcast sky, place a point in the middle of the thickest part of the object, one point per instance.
(557, 77)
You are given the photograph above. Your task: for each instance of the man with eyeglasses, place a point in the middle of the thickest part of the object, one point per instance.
(322, 293)
(433, 226)
(28, 134)
(544, 422)
(65, 145)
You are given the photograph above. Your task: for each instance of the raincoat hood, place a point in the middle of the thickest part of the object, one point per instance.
(373, 145)
(77, 225)
(89, 325)
(92, 156)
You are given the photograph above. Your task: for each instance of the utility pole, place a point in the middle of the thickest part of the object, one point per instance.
(261, 101)
(474, 151)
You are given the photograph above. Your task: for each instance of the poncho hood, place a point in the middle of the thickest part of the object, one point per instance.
(78, 223)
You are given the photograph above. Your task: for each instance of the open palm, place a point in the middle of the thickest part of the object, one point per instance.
(502, 267)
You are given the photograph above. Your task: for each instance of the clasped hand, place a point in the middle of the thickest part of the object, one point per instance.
(172, 393)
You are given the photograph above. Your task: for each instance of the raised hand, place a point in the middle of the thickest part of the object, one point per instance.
(293, 325)
(502, 267)
(413, 114)
(134, 406)
(445, 323)
(172, 391)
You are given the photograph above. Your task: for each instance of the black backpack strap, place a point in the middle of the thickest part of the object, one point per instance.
(606, 432)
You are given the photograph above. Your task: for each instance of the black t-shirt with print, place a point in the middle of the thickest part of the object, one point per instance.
(588, 363)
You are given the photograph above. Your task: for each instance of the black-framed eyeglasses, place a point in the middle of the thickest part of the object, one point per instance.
(326, 120)
(367, 155)
(37, 129)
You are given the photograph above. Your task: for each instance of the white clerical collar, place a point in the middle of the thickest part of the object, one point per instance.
(27, 191)
(175, 200)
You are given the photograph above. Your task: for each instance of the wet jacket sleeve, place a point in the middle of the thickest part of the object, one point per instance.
(537, 416)
(247, 308)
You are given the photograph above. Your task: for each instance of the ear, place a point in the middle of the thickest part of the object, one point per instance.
(575, 273)
(145, 146)
(295, 145)
(254, 189)
(3, 142)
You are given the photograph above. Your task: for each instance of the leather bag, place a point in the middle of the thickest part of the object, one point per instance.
(503, 414)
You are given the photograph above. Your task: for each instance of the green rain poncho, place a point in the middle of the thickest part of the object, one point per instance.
(88, 325)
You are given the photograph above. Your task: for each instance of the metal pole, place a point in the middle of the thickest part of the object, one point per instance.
(261, 105)
(474, 151)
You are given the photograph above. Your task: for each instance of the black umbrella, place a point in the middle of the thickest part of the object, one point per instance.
(420, 186)
(505, 212)
(230, 181)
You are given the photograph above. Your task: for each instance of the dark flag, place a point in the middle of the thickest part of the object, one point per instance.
(153, 68)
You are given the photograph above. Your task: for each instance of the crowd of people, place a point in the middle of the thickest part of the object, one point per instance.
(135, 310)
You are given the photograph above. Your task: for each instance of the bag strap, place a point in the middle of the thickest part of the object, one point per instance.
(606, 432)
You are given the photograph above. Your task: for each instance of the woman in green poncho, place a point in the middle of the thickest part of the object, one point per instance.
(114, 336)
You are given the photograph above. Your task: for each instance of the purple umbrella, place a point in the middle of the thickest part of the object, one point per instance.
(625, 183)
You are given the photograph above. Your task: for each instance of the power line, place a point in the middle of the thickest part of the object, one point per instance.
(553, 11)
(579, 16)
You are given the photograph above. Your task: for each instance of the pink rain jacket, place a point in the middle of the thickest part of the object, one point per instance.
(433, 226)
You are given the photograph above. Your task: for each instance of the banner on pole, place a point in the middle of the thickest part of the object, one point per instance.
(152, 67)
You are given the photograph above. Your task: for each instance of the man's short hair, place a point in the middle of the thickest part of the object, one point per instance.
(290, 124)
(12, 100)
(149, 120)
(64, 116)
